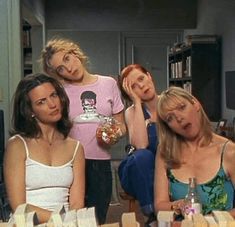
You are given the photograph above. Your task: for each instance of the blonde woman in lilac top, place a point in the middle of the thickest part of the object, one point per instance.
(92, 97)
(43, 167)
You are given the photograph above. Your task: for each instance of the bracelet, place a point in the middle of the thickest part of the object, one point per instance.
(129, 149)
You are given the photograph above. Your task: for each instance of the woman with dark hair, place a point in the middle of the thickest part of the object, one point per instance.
(136, 171)
(43, 167)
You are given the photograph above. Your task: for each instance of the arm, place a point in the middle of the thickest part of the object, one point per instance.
(229, 163)
(77, 189)
(120, 118)
(161, 189)
(134, 117)
(14, 172)
(136, 123)
(14, 177)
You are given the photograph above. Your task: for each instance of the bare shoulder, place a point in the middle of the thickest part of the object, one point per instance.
(159, 160)
(227, 146)
(71, 140)
(230, 149)
(74, 143)
(15, 147)
(229, 159)
(14, 142)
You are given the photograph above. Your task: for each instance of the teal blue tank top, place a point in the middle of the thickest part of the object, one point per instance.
(216, 194)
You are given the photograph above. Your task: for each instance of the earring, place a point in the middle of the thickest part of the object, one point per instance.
(33, 116)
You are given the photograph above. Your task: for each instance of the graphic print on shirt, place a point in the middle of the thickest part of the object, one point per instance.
(88, 101)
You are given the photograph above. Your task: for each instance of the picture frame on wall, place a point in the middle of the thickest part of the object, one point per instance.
(221, 123)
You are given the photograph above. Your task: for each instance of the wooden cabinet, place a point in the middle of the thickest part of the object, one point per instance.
(27, 48)
(197, 68)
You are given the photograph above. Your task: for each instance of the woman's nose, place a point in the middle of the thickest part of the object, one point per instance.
(179, 118)
(51, 103)
(141, 85)
(69, 67)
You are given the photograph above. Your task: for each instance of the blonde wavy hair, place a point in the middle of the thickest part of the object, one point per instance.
(170, 143)
(56, 45)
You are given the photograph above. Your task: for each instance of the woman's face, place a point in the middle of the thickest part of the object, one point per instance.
(141, 84)
(45, 102)
(183, 117)
(68, 66)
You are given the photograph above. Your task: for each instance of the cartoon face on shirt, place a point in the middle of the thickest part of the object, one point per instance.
(88, 101)
(89, 105)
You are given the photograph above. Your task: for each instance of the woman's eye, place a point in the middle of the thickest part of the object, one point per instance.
(40, 102)
(55, 94)
(182, 107)
(60, 70)
(168, 119)
(67, 58)
(133, 86)
(141, 78)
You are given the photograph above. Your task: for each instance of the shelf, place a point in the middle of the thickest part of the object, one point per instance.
(184, 51)
(197, 69)
(183, 79)
(27, 48)
(26, 34)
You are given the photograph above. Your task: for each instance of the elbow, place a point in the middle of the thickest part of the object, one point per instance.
(156, 206)
(76, 205)
(140, 145)
(123, 130)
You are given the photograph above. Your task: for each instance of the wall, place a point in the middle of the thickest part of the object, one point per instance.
(218, 17)
(11, 63)
(120, 15)
(113, 32)
(101, 47)
(33, 12)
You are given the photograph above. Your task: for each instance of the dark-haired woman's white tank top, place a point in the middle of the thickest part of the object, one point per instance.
(47, 186)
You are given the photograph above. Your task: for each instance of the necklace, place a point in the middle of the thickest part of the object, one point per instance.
(47, 140)
(50, 143)
(42, 140)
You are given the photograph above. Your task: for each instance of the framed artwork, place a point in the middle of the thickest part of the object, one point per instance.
(221, 123)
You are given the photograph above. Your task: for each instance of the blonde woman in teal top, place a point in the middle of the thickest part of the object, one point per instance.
(189, 148)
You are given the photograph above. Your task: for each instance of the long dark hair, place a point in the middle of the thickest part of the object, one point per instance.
(22, 121)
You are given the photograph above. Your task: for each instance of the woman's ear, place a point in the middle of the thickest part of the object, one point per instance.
(149, 75)
(197, 104)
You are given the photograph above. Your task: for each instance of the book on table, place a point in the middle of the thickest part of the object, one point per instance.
(86, 217)
(23, 217)
(70, 218)
(216, 219)
(57, 216)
